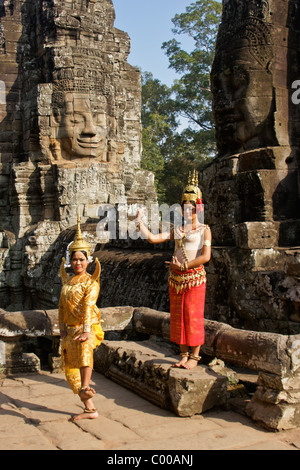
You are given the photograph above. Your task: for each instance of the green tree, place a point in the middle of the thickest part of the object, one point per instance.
(157, 99)
(188, 100)
(192, 91)
(152, 159)
(159, 124)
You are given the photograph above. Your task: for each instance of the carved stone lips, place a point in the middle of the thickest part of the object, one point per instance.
(88, 142)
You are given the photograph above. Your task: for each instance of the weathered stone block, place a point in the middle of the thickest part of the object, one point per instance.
(196, 391)
(117, 318)
(257, 234)
(264, 158)
(53, 323)
(20, 363)
(30, 323)
(275, 417)
(275, 382)
(145, 368)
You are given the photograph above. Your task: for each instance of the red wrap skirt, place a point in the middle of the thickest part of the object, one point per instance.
(187, 309)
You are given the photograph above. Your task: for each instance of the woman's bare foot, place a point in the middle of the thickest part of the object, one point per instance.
(90, 412)
(184, 359)
(192, 362)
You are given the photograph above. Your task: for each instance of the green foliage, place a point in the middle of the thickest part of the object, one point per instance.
(171, 150)
(152, 159)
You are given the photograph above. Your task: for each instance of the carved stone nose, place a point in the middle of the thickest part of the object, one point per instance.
(89, 128)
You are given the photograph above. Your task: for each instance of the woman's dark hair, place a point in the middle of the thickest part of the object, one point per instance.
(84, 252)
(188, 202)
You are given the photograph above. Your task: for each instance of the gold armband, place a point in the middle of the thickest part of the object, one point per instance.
(86, 328)
(207, 243)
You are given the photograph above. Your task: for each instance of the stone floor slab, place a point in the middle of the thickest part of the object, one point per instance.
(35, 413)
(66, 435)
(110, 432)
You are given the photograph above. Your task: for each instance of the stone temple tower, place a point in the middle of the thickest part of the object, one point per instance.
(70, 130)
(252, 189)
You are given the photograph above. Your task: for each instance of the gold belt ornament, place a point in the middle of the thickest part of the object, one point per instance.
(186, 280)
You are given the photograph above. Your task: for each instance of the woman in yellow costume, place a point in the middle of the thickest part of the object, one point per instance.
(79, 320)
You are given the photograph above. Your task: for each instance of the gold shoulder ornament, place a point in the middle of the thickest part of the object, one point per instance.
(97, 272)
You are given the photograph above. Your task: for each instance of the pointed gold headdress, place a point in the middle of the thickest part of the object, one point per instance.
(79, 244)
(192, 192)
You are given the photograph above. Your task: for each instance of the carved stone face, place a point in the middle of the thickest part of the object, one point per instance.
(243, 104)
(241, 78)
(82, 129)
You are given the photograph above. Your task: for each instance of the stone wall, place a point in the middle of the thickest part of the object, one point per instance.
(134, 277)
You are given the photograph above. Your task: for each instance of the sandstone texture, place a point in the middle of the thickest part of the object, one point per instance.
(70, 137)
(251, 189)
(35, 411)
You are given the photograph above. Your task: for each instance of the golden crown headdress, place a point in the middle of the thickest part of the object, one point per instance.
(192, 192)
(79, 244)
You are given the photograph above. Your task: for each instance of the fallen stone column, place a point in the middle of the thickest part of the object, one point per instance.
(255, 350)
(151, 322)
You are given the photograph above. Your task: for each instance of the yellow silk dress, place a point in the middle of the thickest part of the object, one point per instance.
(78, 312)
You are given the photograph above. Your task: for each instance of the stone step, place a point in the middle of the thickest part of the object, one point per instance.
(145, 368)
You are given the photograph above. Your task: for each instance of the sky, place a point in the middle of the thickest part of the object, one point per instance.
(149, 24)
